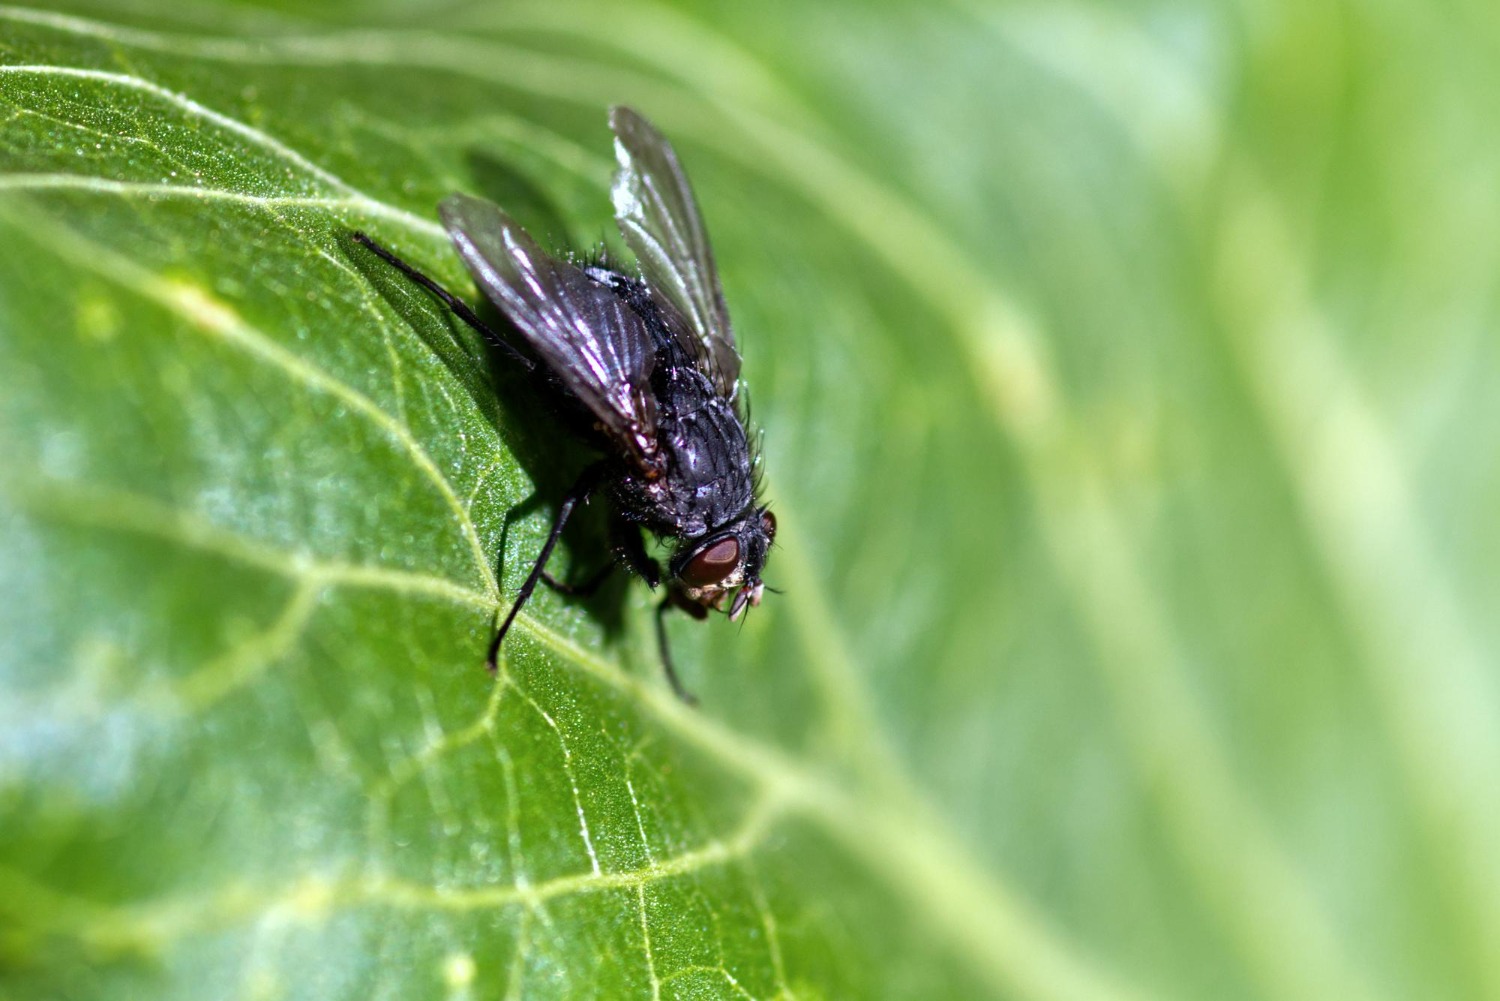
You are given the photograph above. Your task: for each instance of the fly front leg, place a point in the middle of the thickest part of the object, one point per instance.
(667, 604)
(579, 493)
(675, 600)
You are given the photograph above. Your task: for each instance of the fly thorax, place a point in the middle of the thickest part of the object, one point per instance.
(709, 475)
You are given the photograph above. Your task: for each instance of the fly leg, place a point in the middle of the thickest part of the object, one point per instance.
(633, 551)
(583, 588)
(630, 548)
(667, 604)
(460, 308)
(576, 495)
(626, 545)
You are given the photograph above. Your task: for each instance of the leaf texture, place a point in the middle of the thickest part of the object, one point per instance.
(1126, 400)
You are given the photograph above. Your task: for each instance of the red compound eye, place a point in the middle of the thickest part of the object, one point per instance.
(713, 564)
(768, 525)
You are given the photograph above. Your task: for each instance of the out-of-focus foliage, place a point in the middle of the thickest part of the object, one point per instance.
(1129, 390)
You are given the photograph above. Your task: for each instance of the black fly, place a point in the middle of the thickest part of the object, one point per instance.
(648, 366)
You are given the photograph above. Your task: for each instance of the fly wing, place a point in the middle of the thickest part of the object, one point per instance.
(585, 334)
(659, 218)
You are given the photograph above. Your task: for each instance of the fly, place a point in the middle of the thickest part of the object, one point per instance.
(647, 365)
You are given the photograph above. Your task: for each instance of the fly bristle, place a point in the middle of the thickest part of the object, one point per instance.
(747, 419)
(597, 256)
(756, 439)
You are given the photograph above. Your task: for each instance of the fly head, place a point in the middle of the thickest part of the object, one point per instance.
(709, 569)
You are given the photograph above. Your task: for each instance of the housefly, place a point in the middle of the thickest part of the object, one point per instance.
(647, 367)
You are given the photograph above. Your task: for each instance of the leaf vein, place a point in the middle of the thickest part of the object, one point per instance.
(209, 315)
(249, 133)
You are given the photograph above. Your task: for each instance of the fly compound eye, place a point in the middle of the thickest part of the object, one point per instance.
(768, 525)
(713, 564)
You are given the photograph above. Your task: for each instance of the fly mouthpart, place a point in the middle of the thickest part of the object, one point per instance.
(743, 597)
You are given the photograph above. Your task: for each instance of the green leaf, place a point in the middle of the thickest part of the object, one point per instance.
(1128, 414)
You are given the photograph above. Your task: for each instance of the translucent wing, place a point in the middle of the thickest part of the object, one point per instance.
(656, 212)
(597, 345)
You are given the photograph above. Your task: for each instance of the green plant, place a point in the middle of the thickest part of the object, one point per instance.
(1126, 399)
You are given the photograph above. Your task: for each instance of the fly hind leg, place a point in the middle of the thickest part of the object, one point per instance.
(460, 308)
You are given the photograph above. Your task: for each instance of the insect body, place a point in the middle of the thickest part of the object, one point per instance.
(650, 367)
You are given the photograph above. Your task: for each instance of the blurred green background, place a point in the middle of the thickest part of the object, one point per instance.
(1129, 414)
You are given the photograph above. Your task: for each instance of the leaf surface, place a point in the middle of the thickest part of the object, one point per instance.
(1122, 652)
